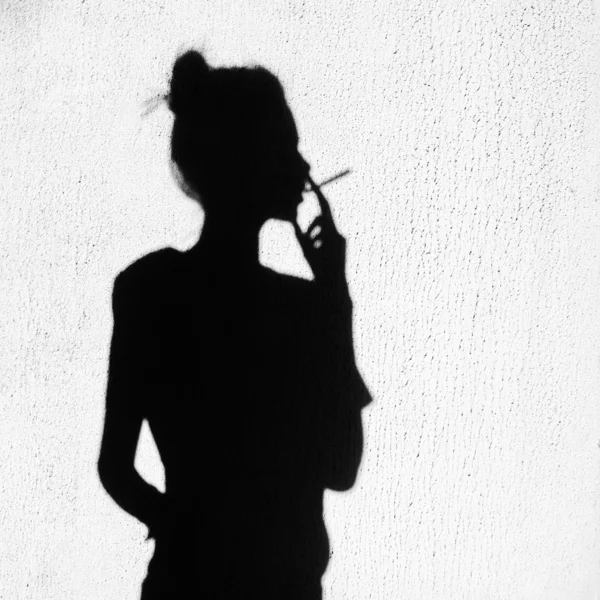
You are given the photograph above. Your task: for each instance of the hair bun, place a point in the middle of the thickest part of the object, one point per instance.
(188, 82)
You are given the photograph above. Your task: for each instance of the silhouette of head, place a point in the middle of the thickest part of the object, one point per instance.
(234, 140)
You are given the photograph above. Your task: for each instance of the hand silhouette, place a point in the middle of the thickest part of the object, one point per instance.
(164, 521)
(323, 246)
(172, 522)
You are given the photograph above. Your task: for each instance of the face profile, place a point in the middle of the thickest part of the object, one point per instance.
(283, 181)
(246, 377)
(235, 141)
(281, 173)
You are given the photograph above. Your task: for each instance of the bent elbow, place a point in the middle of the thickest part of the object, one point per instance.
(110, 477)
(104, 473)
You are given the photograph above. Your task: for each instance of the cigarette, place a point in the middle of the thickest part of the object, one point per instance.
(332, 179)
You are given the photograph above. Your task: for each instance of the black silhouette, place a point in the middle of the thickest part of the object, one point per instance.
(246, 377)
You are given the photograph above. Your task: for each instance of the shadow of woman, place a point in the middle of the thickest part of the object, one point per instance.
(246, 377)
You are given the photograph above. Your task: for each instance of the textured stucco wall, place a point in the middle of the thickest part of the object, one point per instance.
(474, 260)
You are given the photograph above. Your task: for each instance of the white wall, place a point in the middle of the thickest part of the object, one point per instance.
(473, 222)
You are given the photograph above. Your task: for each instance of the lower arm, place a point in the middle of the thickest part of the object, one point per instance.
(133, 494)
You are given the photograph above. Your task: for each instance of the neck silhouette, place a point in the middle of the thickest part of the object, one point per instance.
(231, 242)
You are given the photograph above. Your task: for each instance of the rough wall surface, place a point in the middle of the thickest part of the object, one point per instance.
(474, 261)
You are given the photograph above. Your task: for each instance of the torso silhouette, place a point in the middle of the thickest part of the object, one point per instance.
(254, 414)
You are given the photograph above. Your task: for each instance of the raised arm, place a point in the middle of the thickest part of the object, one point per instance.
(124, 413)
(342, 390)
(343, 395)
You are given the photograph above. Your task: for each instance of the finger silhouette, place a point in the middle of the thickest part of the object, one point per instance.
(316, 226)
(323, 204)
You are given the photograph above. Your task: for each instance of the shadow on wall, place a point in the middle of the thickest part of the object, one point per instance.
(246, 377)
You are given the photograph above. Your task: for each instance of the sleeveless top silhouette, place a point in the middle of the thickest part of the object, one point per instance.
(251, 392)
